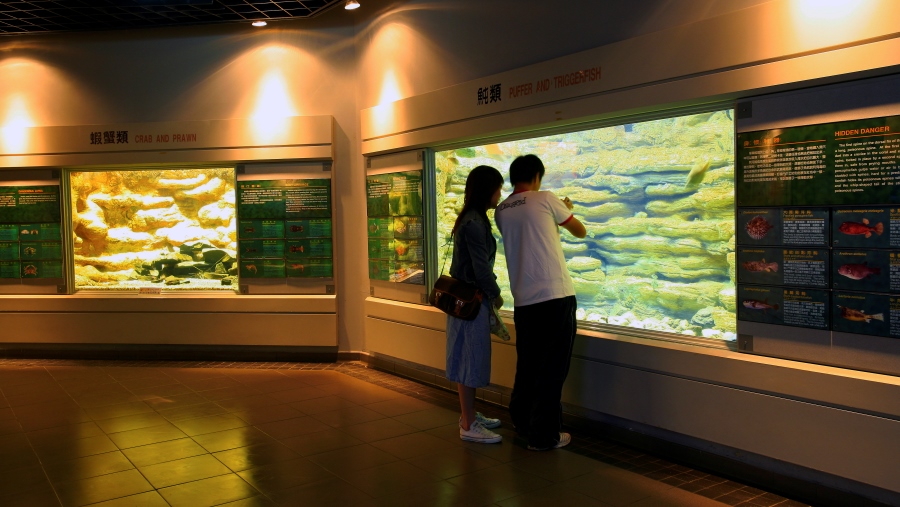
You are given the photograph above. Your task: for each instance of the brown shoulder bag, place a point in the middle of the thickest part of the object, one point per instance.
(456, 298)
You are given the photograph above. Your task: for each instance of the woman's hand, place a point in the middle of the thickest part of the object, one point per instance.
(498, 302)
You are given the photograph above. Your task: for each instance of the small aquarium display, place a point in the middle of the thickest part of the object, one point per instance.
(657, 199)
(172, 229)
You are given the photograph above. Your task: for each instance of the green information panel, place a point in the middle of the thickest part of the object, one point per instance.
(394, 194)
(262, 268)
(39, 232)
(9, 251)
(396, 227)
(9, 232)
(396, 271)
(283, 199)
(306, 248)
(262, 249)
(42, 269)
(851, 162)
(396, 249)
(310, 268)
(40, 250)
(10, 269)
(259, 229)
(312, 228)
(29, 204)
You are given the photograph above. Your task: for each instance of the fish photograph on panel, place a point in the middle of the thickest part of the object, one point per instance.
(862, 228)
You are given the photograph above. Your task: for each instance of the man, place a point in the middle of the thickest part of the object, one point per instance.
(544, 300)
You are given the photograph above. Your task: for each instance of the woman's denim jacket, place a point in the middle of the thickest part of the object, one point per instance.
(474, 252)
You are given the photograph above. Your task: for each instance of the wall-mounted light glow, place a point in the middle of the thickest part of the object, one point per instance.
(259, 23)
(351, 5)
(14, 131)
(274, 106)
(825, 22)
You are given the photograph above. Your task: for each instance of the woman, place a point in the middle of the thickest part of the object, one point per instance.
(469, 341)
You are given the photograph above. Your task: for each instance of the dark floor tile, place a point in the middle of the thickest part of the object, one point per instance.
(86, 467)
(57, 394)
(413, 445)
(551, 496)
(452, 462)
(298, 394)
(62, 433)
(285, 475)
(350, 459)
(42, 495)
(320, 441)
(253, 456)
(319, 405)
(164, 391)
(387, 479)
(699, 484)
(399, 406)
(380, 429)
(557, 466)
(429, 418)
(270, 414)
(499, 483)
(225, 393)
(315, 378)
(183, 470)
(20, 480)
(735, 497)
(208, 492)
(292, 427)
(348, 416)
(176, 401)
(131, 422)
(119, 410)
(253, 501)
(146, 436)
(171, 450)
(718, 490)
(72, 449)
(211, 383)
(209, 424)
(615, 486)
(8, 426)
(148, 499)
(231, 439)
(251, 402)
(331, 491)
(102, 488)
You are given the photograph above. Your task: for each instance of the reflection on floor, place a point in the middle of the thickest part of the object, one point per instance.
(194, 434)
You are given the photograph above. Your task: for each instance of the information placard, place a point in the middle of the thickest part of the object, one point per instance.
(9, 251)
(39, 232)
(865, 270)
(394, 194)
(312, 228)
(43, 250)
(397, 271)
(310, 268)
(284, 199)
(261, 229)
(793, 267)
(29, 204)
(10, 269)
(871, 314)
(866, 227)
(262, 268)
(42, 269)
(307, 248)
(9, 232)
(396, 227)
(262, 249)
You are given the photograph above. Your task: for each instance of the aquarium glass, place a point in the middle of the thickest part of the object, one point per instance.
(172, 229)
(657, 198)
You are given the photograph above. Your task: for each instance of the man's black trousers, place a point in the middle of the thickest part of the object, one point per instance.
(545, 333)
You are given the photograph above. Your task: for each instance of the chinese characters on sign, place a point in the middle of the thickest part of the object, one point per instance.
(110, 137)
(489, 94)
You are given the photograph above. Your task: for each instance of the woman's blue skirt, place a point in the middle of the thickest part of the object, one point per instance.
(469, 349)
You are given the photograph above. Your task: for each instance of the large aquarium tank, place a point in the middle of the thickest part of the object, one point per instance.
(172, 229)
(657, 199)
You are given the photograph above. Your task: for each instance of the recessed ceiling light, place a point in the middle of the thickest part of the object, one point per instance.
(259, 23)
(351, 4)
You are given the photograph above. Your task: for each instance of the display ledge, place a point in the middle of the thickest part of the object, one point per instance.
(859, 391)
(166, 303)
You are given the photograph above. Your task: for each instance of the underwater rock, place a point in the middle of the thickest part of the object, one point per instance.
(670, 227)
(650, 246)
(579, 264)
(724, 320)
(669, 269)
(209, 191)
(732, 274)
(130, 200)
(727, 298)
(711, 201)
(666, 190)
(184, 232)
(215, 214)
(593, 276)
(181, 183)
(580, 314)
(123, 239)
(601, 212)
(570, 248)
(618, 184)
(704, 317)
(149, 219)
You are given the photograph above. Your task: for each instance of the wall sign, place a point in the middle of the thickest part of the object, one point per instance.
(396, 235)
(30, 238)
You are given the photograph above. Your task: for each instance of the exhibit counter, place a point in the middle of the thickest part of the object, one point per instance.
(168, 239)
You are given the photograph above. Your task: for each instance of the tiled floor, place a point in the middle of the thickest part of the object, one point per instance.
(194, 434)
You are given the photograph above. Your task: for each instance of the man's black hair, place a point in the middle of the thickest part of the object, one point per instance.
(523, 169)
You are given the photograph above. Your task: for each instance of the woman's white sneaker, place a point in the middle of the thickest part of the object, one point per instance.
(478, 433)
(488, 422)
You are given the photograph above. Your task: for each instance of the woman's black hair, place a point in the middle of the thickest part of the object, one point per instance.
(481, 184)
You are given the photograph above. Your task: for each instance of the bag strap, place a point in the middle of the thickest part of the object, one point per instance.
(446, 251)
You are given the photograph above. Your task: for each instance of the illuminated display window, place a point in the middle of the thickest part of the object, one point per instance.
(657, 198)
(173, 229)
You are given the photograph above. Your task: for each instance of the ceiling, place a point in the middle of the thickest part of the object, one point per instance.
(48, 16)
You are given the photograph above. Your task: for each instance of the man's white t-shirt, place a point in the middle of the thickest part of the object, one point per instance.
(529, 223)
